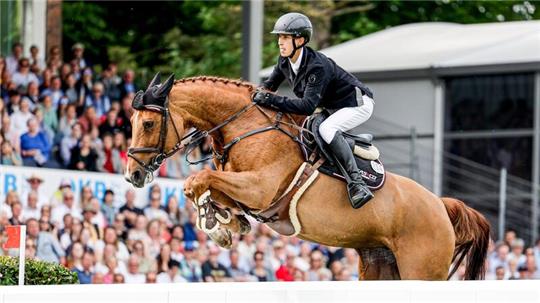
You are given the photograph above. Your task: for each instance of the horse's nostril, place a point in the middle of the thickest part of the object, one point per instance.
(136, 177)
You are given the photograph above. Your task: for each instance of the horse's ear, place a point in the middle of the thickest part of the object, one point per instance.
(138, 102)
(165, 88)
(155, 81)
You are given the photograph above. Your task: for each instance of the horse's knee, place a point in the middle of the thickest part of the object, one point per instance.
(197, 184)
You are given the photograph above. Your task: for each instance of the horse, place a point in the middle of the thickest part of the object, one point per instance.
(404, 232)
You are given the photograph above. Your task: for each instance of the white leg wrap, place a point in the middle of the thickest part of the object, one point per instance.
(224, 220)
(203, 198)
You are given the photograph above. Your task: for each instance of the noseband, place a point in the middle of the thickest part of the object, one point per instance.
(159, 150)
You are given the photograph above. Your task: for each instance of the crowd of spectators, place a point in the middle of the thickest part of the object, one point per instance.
(113, 241)
(61, 113)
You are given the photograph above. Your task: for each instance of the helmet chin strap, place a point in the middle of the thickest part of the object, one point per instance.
(295, 48)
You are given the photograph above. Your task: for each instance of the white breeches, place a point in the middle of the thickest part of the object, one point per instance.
(346, 118)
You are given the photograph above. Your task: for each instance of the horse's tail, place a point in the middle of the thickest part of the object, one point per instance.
(472, 238)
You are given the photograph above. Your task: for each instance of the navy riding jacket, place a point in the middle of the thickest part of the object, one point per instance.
(320, 82)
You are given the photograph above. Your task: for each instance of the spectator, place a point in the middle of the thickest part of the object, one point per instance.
(68, 143)
(155, 210)
(129, 210)
(89, 119)
(517, 252)
(20, 118)
(32, 95)
(317, 270)
(12, 61)
(86, 196)
(163, 258)
(35, 147)
(98, 99)
(109, 157)
(286, 271)
(78, 55)
(67, 207)
(86, 272)
(70, 88)
(212, 270)
(133, 275)
(172, 275)
(146, 264)
(35, 58)
(24, 76)
(50, 119)
(262, 273)
(48, 249)
(119, 279)
(155, 237)
(55, 56)
(239, 271)
(8, 155)
(128, 86)
(45, 81)
(121, 145)
(174, 215)
(107, 208)
(68, 119)
(83, 156)
(55, 92)
(11, 135)
(110, 238)
(31, 210)
(84, 87)
(110, 125)
(14, 100)
(16, 214)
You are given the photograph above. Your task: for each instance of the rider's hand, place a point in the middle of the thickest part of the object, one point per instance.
(261, 97)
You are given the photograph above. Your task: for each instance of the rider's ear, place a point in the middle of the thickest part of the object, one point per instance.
(165, 88)
(155, 81)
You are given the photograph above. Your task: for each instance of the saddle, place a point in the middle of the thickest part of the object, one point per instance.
(281, 216)
(366, 154)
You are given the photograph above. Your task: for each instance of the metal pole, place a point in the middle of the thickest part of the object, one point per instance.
(412, 154)
(536, 160)
(502, 203)
(252, 20)
(438, 138)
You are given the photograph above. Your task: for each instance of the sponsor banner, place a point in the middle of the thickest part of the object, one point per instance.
(14, 178)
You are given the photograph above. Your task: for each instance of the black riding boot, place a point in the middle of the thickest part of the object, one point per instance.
(359, 193)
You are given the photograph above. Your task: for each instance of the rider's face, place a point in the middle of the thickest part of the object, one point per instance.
(285, 44)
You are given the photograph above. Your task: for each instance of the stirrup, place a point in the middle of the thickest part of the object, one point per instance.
(366, 195)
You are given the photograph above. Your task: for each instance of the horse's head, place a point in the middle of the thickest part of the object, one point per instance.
(155, 132)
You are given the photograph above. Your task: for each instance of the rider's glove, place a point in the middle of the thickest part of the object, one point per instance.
(262, 97)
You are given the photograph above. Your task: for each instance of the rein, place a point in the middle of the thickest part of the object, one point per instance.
(196, 136)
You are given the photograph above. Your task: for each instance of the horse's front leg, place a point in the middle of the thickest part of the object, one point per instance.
(225, 187)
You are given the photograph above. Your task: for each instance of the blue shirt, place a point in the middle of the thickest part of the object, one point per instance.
(85, 277)
(38, 141)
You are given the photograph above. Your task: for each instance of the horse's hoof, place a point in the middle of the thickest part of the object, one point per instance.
(245, 226)
(222, 237)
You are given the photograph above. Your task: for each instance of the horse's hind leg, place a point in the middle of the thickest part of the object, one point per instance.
(377, 264)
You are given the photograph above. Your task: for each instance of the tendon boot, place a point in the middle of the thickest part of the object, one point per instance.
(359, 193)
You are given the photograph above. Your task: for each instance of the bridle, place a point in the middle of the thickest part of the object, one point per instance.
(195, 137)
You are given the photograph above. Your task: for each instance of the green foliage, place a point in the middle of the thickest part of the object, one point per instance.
(205, 37)
(36, 273)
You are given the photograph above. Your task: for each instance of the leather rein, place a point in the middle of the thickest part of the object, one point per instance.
(197, 136)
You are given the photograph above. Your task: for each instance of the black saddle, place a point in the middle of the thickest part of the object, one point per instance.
(372, 170)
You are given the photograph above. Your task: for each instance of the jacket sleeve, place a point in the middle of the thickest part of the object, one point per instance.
(316, 85)
(275, 79)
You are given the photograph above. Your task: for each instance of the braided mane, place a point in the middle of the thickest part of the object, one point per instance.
(239, 83)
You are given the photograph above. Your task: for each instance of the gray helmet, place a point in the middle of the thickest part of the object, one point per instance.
(295, 24)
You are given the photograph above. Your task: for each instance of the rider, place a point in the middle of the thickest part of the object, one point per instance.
(318, 81)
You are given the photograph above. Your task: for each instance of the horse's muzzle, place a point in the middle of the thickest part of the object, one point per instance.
(137, 178)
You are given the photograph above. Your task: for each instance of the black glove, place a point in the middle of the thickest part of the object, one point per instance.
(261, 97)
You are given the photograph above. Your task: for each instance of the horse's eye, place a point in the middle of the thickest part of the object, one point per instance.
(148, 124)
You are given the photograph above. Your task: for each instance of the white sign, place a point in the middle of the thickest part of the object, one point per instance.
(14, 178)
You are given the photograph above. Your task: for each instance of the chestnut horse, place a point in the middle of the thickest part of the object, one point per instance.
(404, 232)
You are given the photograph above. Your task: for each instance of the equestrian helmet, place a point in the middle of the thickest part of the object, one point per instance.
(295, 24)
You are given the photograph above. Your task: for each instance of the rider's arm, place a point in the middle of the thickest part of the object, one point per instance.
(315, 88)
(275, 79)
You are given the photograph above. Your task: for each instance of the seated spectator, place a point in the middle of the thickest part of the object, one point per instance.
(67, 207)
(128, 85)
(89, 119)
(31, 210)
(10, 134)
(317, 270)
(109, 157)
(50, 119)
(517, 247)
(12, 61)
(70, 88)
(262, 273)
(110, 124)
(155, 210)
(212, 270)
(55, 57)
(86, 272)
(55, 91)
(129, 210)
(16, 214)
(8, 155)
(20, 118)
(146, 264)
(172, 275)
(35, 147)
(119, 143)
(78, 55)
(83, 156)
(48, 249)
(133, 275)
(45, 80)
(35, 58)
(68, 119)
(23, 76)
(33, 95)
(107, 207)
(13, 101)
(68, 143)
(98, 100)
